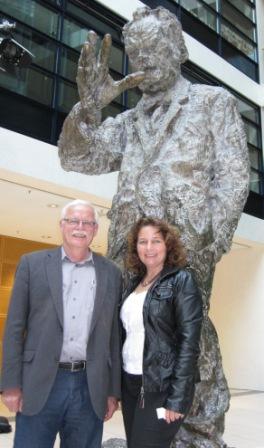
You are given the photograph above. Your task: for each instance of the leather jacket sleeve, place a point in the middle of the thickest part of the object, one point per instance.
(188, 318)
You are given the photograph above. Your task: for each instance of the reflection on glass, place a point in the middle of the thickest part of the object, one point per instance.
(31, 83)
(201, 12)
(68, 64)
(116, 59)
(93, 22)
(238, 41)
(133, 97)
(74, 34)
(111, 111)
(254, 157)
(248, 111)
(238, 20)
(43, 49)
(255, 181)
(212, 3)
(252, 133)
(68, 96)
(33, 14)
(245, 8)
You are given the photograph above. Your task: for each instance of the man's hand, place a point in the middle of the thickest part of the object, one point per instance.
(172, 416)
(96, 87)
(12, 399)
(112, 406)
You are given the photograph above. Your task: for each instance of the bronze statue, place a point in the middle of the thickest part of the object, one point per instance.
(181, 155)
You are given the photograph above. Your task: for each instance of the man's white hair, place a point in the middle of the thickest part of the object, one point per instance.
(76, 203)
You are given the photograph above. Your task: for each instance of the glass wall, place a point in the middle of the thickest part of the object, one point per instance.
(55, 30)
(228, 27)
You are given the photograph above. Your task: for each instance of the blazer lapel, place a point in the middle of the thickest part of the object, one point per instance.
(54, 275)
(101, 272)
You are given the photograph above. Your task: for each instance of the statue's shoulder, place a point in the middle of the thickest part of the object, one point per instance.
(212, 95)
(213, 92)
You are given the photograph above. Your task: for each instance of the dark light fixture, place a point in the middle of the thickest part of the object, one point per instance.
(12, 53)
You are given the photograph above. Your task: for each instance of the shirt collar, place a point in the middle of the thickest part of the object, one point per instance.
(88, 259)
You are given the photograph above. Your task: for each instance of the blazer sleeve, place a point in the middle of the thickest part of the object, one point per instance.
(15, 328)
(188, 320)
(115, 371)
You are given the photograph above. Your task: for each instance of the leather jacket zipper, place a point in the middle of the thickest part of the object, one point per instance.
(141, 397)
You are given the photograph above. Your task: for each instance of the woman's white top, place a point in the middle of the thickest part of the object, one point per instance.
(132, 317)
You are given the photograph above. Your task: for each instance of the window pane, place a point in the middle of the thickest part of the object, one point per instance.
(248, 111)
(111, 111)
(43, 49)
(238, 20)
(238, 41)
(201, 12)
(254, 155)
(27, 117)
(31, 83)
(93, 22)
(199, 31)
(33, 14)
(133, 97)
(253, 134)
(245, 8)
(255, 182)
(240, 61)
(68, 64)
(116, 59)
(74, 34)
(212, 3)
(68, 96)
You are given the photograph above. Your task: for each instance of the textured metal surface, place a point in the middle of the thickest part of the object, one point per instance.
(182, 156)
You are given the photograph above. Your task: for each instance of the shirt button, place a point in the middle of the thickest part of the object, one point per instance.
(74, 298)
(75, 281)
(71, 339)
(73, 317)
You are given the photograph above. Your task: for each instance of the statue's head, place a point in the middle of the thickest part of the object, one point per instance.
(154, 43)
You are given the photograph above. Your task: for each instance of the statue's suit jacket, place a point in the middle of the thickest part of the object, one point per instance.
(182, 156)
(34, 331)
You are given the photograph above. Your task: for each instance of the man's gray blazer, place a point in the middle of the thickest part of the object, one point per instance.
(34, 331)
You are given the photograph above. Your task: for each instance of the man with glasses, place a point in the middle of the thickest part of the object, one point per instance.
(61, 366)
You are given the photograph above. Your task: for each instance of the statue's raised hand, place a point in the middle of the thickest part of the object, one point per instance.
(96, 87)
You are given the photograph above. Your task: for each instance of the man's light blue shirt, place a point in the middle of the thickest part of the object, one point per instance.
(79, 287)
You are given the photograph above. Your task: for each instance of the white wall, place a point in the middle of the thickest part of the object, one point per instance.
(237, 310)
(38, 162)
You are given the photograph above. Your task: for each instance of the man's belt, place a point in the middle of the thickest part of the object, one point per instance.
(75, 366)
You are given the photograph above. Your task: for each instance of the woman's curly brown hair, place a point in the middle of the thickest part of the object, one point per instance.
(176, 254)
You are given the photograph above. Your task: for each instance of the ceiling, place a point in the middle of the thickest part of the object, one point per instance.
(33, 214)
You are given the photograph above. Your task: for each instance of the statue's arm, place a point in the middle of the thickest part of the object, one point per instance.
(86, 145)
(230, 173)
(88, 148)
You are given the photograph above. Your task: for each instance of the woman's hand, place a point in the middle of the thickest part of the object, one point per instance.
(172, 416)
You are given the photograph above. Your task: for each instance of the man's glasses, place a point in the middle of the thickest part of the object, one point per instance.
(76, 222)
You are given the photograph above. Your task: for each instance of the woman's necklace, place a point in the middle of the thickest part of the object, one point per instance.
(148, 282)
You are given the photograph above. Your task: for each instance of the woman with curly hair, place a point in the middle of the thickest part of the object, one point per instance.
(161, 316)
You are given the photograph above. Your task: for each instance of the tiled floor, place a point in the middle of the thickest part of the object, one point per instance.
(244, 422)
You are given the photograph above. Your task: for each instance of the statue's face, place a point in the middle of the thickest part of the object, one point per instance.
(150, 51)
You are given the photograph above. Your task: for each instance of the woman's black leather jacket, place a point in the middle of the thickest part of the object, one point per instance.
(172, 316)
